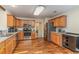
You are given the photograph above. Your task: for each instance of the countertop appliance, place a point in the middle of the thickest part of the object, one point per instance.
(71, 41)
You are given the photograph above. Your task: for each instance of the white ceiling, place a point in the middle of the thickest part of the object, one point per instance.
(27, 10)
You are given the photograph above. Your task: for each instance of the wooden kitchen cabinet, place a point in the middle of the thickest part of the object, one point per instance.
(14, 42)
(60, 21)
(2, 48)
(10, 21)
(56, 38)
(33, 35)
(56, 22)
(53, 37)
(9, 48)
(10, 45)
(18, 23)
(21, 36)
(21, 22)
(63, 21)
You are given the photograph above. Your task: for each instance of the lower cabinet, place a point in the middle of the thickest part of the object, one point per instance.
(10, 44)
(2, 48)
(56, 38)
(9, 48)
(33, 35)
(21, 36)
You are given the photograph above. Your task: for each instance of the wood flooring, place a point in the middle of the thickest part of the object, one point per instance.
(39, 46)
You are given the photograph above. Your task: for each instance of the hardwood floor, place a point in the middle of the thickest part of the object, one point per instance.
(39, 46)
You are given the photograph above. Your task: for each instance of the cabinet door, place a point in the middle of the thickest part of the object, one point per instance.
(18, 23)
(2, 48)
(8, 49)
(14, 42)
(53, 37)
(9, 46)
(33, 35)
(21, 22)
(62, 21)
(56, 22)
(56, 38)
(59, 39)
(10, 21)
(21, 36)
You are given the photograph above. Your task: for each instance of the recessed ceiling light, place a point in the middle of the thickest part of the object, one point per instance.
(38, 10)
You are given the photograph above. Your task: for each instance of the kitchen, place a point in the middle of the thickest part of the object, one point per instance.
(23, 33)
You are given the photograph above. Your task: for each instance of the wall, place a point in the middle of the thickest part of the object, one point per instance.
(3, 20)
(72, 20)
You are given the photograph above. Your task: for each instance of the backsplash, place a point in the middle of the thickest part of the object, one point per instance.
(3, 32)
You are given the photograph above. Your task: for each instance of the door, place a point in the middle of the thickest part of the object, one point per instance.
(38, 26)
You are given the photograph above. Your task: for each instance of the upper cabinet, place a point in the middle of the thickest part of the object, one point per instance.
(60, 21)
(30, 22)
(56, 22)
(10, 21)
(18, 22)
(51, 20)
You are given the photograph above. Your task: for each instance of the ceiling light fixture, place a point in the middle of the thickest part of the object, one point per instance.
(38, 10)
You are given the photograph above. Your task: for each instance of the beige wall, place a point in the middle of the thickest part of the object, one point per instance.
(3, 20)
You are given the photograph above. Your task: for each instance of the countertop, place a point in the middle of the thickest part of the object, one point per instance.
(74, 34)
(6, 37)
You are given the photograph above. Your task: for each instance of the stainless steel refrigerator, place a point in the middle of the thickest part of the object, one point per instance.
(50, 27)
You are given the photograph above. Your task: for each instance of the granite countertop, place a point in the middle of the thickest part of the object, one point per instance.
(74, 35)
(6, 37)
(70, 34)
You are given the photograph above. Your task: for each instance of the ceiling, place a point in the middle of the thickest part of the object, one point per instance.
(27, 10)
